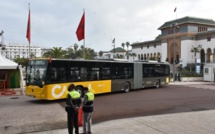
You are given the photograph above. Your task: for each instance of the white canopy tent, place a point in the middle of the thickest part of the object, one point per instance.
(7, 65)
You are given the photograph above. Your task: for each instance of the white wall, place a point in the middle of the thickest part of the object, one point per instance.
(163, 52)
(186, 55)
(207, 44)
(146, 50)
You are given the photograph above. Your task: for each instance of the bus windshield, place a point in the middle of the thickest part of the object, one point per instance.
(36, 71)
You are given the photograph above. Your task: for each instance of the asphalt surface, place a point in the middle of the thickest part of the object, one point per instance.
(20, 114)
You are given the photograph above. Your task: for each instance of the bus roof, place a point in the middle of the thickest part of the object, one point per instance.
(103, 60)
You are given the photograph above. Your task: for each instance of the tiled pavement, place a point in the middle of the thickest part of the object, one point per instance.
(19, 114)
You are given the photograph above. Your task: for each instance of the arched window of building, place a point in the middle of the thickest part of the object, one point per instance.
(213, 56)
(159, 57)
(202, 55)
(141, 56)
(209, 56)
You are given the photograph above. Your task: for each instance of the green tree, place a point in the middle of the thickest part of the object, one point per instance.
(56, 52)
(127, 44)
(32, 55)
(100, 53)
(123, 45)
(132, 55)
(70, 53)
(23, 61)
(75, 47)
(195, 50)
(90, 54)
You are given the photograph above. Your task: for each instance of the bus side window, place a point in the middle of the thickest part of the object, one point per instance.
(116, 73)
(73, 76)
(62, 74)
(145, 72)
(150, 72)
(54, 74)
(83, 73)
(130, 72)
(94, 73)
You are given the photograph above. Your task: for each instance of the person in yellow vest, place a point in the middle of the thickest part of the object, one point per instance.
(73, 101)
(87, 110)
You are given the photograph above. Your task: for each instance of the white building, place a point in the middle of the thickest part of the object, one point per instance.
(118, 52)
(44, 50)
(186, 33)
(12, 51)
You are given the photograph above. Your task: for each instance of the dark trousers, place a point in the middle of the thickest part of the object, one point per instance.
(72, 121)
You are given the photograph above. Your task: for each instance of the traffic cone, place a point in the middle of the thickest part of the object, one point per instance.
(80, 116)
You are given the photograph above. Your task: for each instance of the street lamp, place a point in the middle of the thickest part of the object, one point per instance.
(2, 46)
(174, 26)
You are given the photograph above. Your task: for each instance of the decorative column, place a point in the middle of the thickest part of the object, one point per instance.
(212, 58)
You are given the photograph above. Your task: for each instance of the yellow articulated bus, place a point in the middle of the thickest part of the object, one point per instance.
(48, 79)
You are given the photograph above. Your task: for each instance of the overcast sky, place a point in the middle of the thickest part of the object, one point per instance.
(54, 22)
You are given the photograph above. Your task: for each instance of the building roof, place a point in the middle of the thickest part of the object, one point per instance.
(147, 42)
(118, 49)
(188, 19)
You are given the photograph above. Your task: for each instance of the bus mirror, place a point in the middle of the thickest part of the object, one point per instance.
(40, 83)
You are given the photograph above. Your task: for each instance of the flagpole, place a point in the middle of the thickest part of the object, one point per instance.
(84, 33)
(29, 49)
(174, 25)
(114, 49)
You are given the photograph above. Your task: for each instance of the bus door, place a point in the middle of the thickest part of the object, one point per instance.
(138, 80)
(150, 77)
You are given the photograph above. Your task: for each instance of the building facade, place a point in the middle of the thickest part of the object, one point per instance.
(179, 41)
(12, 51)
(117, 53)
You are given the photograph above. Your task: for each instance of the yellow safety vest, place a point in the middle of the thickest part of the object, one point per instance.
(90, 96)
(74, 94)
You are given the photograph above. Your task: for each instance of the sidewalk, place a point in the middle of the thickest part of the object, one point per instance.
(191, 83)
(180, 123)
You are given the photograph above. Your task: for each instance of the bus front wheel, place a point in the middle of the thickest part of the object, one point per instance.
(127, 87)
(157, 84)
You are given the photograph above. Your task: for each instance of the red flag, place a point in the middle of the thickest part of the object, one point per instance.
(80, 29)
(175, 9)
(28, 33)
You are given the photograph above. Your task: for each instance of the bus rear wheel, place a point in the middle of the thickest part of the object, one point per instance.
(80, 90)
(127, 87)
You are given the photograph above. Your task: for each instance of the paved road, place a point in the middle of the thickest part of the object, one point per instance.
(20, 114)
(169, 99)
